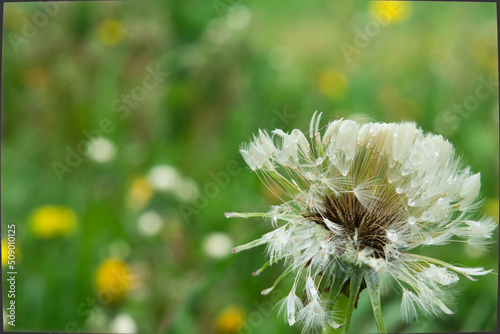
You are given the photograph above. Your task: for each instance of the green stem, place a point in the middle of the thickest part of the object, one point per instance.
(278, 280)
(373, 284)
(261, 269)
(355, 284)
(338, 282)
(245, 214)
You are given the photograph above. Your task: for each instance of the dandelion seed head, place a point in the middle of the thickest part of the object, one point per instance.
(361, 198)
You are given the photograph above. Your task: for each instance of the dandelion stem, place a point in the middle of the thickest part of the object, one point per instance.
(245, 214)
(355, 284)
(261, 269)
(373, 284)
(338, 282)
(278, 280)
(252, 244)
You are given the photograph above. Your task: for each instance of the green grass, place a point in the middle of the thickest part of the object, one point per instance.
(220, 88)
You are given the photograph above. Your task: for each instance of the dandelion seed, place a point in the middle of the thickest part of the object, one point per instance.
(360, 200)
(289, 306)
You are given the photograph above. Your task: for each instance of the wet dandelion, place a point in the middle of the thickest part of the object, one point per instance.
(359, 199)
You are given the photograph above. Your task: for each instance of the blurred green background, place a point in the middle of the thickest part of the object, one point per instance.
(126, 232)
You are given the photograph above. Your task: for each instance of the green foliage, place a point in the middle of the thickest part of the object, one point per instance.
(183, 84)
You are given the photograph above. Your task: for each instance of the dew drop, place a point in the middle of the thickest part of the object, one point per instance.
(412, 220)
(440, 201)
(411, 202)
(392, 235)
(399, 190)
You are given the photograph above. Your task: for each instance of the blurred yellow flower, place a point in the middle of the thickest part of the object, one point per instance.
(391, 11)
(113, 277)
(230, 320)
(332, 83)
(491, 208)
(5, 252)
(110, 32)
(140, 193)
(51, 221)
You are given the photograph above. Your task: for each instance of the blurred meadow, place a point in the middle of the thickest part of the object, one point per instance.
(120, 129)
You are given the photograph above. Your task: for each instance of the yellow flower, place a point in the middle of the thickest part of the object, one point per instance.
(491, 208)
(51, 221)
(110, 32)
(230, 320)
(5, 252)
(332, 83)
(113, 277)
(140, 193)
(391, 11)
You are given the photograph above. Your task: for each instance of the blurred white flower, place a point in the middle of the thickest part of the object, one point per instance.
(217, 245)
(101, 150)
(187, 191)
(238, 17)
(123, 323)
(163, 177)
(149, 223)
(168, 179)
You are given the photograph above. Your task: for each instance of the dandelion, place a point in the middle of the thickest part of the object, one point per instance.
(217, 245)
(230, 320)
(391, 11)
(140, 193)
(357, 200)
(52, 221)
(168, 179)
(491, 208)
(110, 32)
(5, 252)
(101, 150)
(332, 83)
(113, 278)
(149, 223)
(123, 323)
